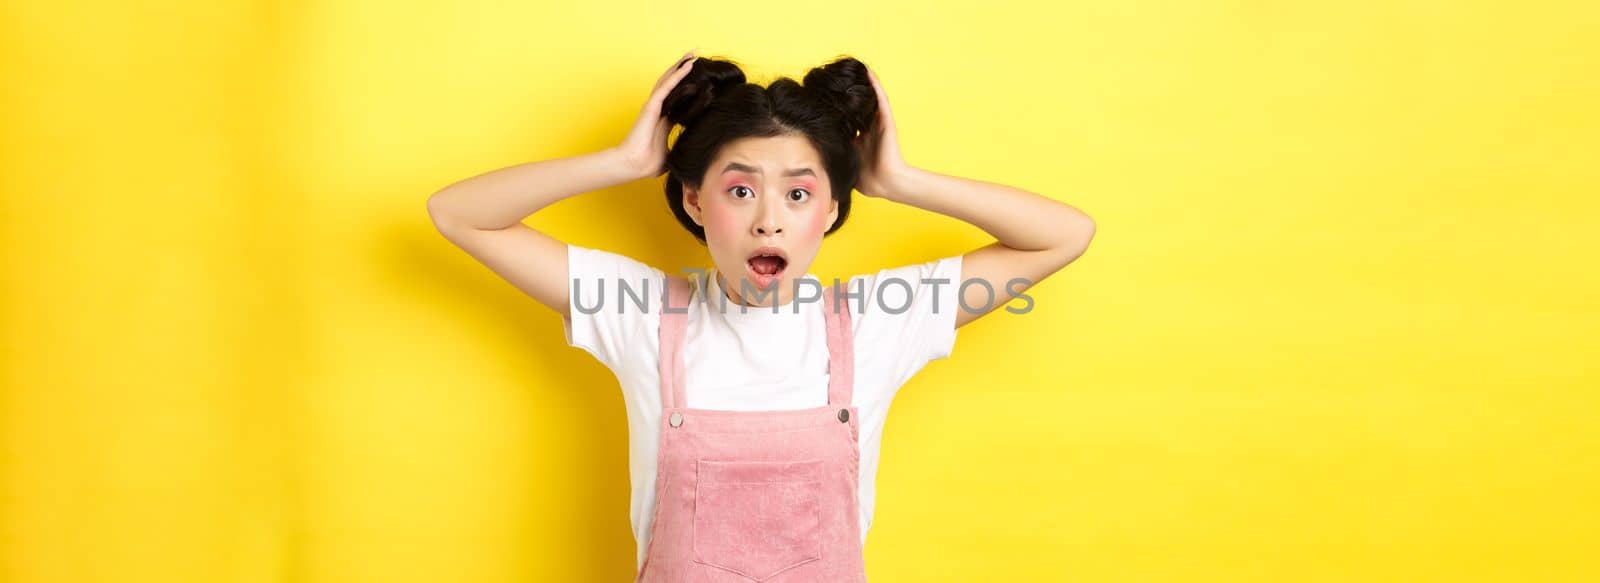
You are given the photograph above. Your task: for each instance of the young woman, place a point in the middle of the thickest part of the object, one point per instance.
(756, 396)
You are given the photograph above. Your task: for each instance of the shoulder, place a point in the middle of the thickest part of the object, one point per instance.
(596, 263)
(915, 290)
(908, 310)
(938, 272)
(613, 305)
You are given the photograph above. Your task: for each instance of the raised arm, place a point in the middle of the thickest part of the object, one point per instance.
(1035, 235)
(483, 214)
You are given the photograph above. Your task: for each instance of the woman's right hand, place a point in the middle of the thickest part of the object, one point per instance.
(645, 148)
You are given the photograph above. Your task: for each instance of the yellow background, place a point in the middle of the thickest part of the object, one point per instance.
(1339, 322)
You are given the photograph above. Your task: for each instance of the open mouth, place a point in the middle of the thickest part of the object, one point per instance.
(767, 263)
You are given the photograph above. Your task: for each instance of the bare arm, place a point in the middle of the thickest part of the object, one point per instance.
(483, 214)
(1035, 235)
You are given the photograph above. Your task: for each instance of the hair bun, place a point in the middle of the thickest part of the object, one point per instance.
(707, 79)
(844, 84)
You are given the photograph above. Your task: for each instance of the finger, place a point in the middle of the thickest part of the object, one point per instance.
(876, 84)
(678, 63)
(684, 69)
(660, 94)
(677, 69)
(883, 98)
(665, 86)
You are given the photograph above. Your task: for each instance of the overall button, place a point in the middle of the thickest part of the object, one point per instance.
(844, 415)
(677, 419)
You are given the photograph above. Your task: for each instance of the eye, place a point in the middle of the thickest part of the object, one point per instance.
(804, 195)
(735, 190)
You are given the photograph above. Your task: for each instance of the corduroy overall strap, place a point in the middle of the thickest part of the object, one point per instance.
(675, 321)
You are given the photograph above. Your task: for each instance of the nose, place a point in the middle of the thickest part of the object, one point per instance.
(768, 221)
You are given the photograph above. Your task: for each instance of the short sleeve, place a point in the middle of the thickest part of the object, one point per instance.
(606, 292)
(905, 316)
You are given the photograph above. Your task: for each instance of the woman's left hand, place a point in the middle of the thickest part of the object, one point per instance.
(881, 163)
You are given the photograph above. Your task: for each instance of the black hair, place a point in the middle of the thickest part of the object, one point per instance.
(715, 105)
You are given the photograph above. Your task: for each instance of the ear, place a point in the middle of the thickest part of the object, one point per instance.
(691, 204)
(833, 212)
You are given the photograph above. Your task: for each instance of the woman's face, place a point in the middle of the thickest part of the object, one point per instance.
(764, 203)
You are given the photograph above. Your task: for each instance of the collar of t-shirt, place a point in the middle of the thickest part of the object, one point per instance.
(740, 315)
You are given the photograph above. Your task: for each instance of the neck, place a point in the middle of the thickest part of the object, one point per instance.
(779, 297)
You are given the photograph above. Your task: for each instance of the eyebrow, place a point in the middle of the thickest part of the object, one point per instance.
(754, 170)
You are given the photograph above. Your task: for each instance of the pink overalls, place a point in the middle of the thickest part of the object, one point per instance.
(755, 495)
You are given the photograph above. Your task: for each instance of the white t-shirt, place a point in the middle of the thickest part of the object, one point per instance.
(755, 359)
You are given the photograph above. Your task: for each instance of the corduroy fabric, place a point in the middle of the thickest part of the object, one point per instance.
(756, 495)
